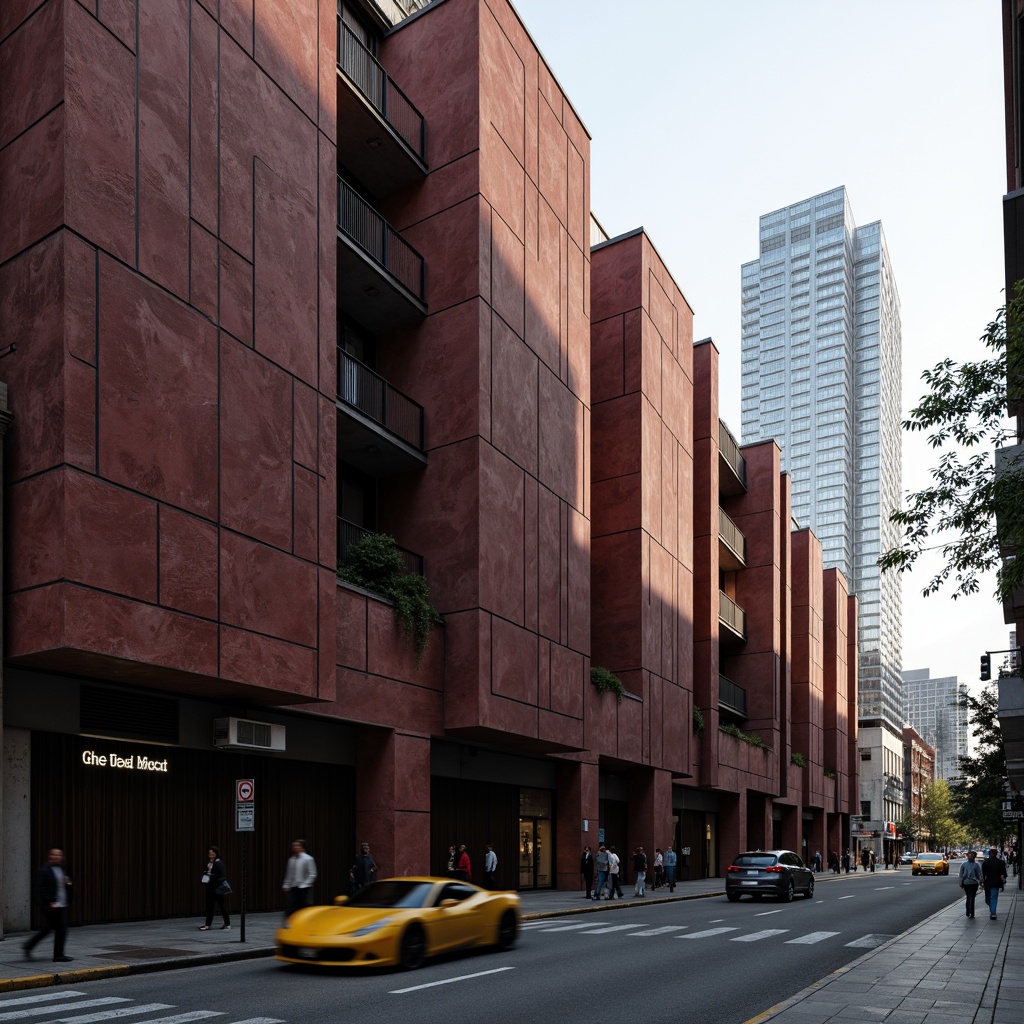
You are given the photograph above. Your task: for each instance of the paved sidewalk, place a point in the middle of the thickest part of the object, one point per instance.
(946, 970)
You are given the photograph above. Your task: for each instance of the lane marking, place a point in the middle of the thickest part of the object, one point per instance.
(869, 941)
(612, 928)
(766, 913)
(39, 998)
(707, 933)
(447, 981)
(125, 1011)
(184, 1018)
(767, 933)
(260, 1020)
(717, 920)
(846, 897)
(665, 930)
(563, 927)
(810, 938)
(38, 1011)
(884, 887)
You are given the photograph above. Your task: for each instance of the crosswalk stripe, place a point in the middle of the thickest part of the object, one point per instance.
(38, 1011)
(810, 938)
(564, 927)
(260, 1020)
(124, 1011)
(184, 1018)
(869, 941)
(767, 933)
(707, 933)
(612, 928)
(39, 997)
(543, 923)
(661, 931)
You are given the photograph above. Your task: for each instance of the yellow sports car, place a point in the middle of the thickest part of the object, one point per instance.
(929, 864)
(400, 921)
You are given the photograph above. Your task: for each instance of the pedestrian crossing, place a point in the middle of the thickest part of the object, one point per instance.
(70, 1007)
(683, 931)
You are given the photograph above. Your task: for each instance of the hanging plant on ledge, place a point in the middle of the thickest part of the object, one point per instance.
(375, 563)
(698, 721)
(607, 682)
(829, 773)
(750, 738)
(798, 759)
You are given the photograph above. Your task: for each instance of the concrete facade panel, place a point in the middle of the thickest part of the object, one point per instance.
(350, 617)
(502, 538)
(286, 38)
(513, 662)
(187, 563)
(561, 457)
(305, 486)
(514, 411)
(265, 661)
(543, 324)
(31, 70)
(508, 275)
(80, 415)
(204, 102)
(120, 17)
(238, 19)
(81, 272)
(236, 294)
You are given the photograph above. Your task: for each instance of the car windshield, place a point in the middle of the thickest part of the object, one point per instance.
(929, 856)
(754, 860)
(395, 894)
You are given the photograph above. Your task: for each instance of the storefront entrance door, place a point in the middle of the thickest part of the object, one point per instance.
(534, 853)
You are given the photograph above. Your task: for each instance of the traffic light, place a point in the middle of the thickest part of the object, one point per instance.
(986, 666)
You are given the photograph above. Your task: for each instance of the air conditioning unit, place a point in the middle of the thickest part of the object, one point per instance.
(244, 734)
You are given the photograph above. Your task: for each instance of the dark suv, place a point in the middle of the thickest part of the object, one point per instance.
(768, 873)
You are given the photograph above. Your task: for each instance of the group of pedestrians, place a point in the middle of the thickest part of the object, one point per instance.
(990, 875)
(606, 863)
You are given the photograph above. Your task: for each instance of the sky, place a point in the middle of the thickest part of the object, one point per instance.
(706, 114)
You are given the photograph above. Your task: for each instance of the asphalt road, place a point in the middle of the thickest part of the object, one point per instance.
(706, 961)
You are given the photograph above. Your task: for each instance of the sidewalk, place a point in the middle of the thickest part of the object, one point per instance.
(946, 970)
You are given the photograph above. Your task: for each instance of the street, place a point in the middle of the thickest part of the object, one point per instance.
(702, 960)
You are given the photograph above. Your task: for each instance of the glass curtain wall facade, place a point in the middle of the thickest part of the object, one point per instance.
(821, 374)
(932, 707)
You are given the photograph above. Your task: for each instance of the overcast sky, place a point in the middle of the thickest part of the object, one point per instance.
(705, 114)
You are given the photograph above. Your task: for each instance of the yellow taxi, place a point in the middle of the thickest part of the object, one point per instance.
(930, 864)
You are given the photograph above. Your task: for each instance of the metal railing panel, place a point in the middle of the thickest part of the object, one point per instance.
(732, 695)
(732, 614)
(378, 400)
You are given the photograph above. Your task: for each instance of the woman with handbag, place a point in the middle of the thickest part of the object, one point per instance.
(215, 880)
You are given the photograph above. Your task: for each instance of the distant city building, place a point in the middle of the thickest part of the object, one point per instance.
(932, 707)
(821, 349)
(918, 775)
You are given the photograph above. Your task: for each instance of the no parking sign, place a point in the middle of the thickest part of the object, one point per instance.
(245, 805)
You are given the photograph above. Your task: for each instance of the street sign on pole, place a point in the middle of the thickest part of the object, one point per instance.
(245, 821)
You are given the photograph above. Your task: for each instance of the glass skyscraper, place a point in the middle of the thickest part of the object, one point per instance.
(821, 375)
(932, 707)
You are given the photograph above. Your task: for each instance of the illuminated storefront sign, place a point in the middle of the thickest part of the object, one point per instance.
(132, 763)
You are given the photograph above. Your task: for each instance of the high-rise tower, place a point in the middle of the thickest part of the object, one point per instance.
(821, 375)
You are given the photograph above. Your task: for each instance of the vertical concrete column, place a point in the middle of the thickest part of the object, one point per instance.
(759, 821)
(650, 812)
(791, 828)
(393, 799)
(834, 832)
(817, 837)
(577, 802)
(5, 421)
(732, 824)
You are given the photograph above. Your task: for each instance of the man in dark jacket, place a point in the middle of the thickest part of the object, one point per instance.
(364, 870)
(993, 874)
(53, 891)
(587, 870)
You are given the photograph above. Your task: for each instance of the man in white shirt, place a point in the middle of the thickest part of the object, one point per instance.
(490, 866)
(298, 879)
(613, 874)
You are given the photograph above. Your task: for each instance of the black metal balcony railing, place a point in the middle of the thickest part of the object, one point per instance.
(379, 88)
(731, 696)
(375, 398)
(732, 535)
(349, 533)
(731, 452)
(732, 614)
(360, 222)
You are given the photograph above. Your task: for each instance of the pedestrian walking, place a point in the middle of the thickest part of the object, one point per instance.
(846, 860)
(640, 867)
(299, 877)
(587, 870)
(670, 867)
(53, 892)
(453, 857)
(602, 861)
(993, 873)
(970, 879)
(871, 861)
(215, 884)
(659, 867)
(490, 867)
(463, 868)
(364, 869)
(613, 874)
(817, 861)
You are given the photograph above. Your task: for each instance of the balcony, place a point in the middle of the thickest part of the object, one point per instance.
(349, 533)
(1011, 724)
(1009, 485)
(1013, 606)
(732, 467)
(380, 276)
(732, 617)
(380, 430)
(381, 137)
(732, 699)
(732, 545)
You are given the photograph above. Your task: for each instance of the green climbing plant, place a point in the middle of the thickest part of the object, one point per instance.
(607, 682)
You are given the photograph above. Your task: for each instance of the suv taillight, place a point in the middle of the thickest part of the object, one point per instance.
(775, 869)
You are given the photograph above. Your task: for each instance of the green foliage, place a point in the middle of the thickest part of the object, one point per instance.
(750, 738)
(938, 819)
(698, 721)
(375, 563)
(829, 773)
(607, 682)
(978, 793)
(964, 412)
(798, 759)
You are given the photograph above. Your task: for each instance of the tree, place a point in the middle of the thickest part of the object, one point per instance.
(937, 819)
(965, 411)
(978, 793)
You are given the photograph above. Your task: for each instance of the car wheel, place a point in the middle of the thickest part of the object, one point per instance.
(787, 894)
(413, 948)
(915, 872)
(810, 890)
(755, 896)
(507, 930)
(732, 897)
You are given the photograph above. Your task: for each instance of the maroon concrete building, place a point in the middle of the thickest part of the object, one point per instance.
(275, 283)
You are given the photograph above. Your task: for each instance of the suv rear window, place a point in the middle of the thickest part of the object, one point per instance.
(755, 860)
